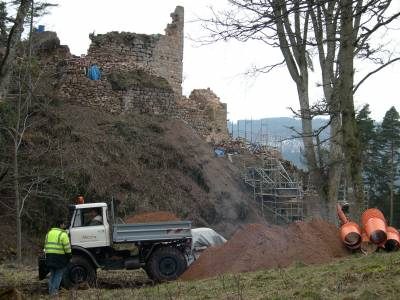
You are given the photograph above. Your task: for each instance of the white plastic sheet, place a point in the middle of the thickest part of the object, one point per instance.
(204, 238)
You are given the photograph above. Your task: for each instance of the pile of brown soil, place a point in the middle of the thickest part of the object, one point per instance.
(258, 246)
(158, 216)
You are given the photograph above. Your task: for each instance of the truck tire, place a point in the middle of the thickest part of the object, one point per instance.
(165, 264)
(79, 271)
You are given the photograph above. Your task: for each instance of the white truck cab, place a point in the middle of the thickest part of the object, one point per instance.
(90, 226)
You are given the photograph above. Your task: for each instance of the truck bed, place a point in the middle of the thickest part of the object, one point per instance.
(163, 231)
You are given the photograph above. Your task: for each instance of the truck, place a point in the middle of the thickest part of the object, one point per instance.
(162, 249)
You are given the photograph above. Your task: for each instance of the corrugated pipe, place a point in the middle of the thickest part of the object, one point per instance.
(393, 239)
(374, 224)
(350, 232)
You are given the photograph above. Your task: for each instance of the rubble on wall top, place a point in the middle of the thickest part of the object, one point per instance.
(131, 38)
(125, 38)
(204, 95)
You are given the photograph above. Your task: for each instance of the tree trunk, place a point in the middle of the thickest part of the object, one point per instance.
(392, 171)
(14, 37)
(335, 155)
(315, 172)
(17, 204)
(351, 145)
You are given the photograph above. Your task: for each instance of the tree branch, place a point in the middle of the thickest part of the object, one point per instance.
(373, 72)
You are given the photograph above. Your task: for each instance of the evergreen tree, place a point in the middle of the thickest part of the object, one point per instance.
(369, 145)
(389, 146)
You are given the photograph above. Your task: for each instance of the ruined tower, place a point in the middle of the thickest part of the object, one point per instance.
(168, 52)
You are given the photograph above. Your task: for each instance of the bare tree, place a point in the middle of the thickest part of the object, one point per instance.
(14, 37)
(17, 119)
(339, 31)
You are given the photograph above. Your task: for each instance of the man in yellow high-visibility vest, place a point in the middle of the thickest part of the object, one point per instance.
(58, 253)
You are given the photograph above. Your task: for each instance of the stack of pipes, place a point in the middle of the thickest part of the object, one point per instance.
(373, 234)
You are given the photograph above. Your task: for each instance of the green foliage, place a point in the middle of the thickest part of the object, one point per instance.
(389, 144)
(366, 126)
(389, 155)
(381, 158)
(369, 143)
(40, 8)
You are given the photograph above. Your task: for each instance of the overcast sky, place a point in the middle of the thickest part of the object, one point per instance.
(219, 66)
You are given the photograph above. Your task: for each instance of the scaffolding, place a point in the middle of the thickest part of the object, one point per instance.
(343, 197)
(278, 195)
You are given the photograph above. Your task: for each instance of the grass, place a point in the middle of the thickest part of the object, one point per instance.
(357, 277)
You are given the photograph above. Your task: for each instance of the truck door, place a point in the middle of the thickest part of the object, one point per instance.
(89, 228)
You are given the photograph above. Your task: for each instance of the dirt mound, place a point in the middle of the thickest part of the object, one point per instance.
(158, 216)
(258, 246)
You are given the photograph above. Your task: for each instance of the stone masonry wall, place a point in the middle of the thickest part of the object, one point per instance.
(77, 88)
(156, 56)
(204, 112)
(143, 73)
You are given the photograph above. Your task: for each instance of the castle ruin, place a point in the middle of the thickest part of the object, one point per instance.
(142, 74)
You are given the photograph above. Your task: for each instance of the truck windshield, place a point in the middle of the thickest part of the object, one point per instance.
(88, 217)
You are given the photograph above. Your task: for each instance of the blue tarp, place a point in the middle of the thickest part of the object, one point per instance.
(94, 72)
(219, 152)
(40, 28)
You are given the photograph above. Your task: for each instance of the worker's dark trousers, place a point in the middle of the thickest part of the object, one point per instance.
(55, 280)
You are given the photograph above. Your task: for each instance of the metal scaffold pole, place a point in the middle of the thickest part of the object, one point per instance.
(274, 187)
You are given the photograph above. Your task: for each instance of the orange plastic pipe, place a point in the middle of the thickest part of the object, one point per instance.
(350, 234)
(393, 239)
(374, 224)
(366, 246)
(342, 217)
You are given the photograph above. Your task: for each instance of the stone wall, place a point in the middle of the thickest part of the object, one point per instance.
(161, 55)
(109, 94)
(206, 114)
(142, 73)
(156, 57)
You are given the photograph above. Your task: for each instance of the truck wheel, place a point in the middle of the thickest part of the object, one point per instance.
(165, 264)
(78, 271)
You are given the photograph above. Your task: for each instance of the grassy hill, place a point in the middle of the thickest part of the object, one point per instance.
(358, 277)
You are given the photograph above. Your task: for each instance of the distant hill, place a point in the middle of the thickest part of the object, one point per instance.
(276, 132)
